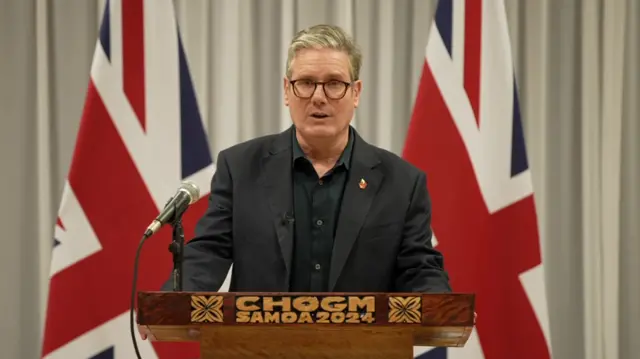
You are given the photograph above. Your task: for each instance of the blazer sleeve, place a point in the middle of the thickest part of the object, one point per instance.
(420, 266)
(208, 256)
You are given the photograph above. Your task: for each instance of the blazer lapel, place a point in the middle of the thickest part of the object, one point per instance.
(275, 177)
(361, 188)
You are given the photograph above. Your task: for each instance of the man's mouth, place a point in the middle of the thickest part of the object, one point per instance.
(319, 115)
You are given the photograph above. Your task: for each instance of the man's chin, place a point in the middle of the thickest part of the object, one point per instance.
(321, 135)
(320, 130)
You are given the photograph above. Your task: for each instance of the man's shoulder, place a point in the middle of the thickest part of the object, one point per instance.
(253, 149)
(396, 165)
(258, 144)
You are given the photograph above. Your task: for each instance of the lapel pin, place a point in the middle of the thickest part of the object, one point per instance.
(363, 184)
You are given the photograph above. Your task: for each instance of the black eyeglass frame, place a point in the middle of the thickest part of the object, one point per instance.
(323, 83)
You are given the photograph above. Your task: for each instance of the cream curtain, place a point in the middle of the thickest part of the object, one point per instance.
(577, 67)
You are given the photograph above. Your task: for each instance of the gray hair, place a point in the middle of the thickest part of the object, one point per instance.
(327, 37)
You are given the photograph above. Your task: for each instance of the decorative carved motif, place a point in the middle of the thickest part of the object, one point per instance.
(206, 309)
(405, 309)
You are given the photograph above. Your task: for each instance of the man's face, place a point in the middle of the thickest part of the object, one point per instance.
(314, 113)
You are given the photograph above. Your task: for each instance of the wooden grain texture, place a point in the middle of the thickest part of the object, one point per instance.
(305, 342)
(308, 325)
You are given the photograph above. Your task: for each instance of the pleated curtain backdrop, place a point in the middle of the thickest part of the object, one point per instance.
(238, 50)
(578, 73)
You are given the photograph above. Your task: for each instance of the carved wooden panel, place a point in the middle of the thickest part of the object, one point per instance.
(234, 325)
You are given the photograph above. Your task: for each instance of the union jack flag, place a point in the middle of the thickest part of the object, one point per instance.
(140, 135)
(466, 134)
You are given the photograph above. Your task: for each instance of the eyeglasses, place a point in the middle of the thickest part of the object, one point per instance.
(333, 89)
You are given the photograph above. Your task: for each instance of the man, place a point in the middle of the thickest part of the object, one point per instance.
(316, 208)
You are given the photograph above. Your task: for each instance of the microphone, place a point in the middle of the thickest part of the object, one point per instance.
(287, 218)
(187, 194)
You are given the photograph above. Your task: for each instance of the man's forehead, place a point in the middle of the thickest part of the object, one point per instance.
(320, 70)
(320, 74)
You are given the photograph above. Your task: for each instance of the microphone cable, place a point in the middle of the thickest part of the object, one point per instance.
(133, 294)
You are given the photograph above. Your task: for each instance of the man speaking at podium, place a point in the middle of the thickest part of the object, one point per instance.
(316, 208)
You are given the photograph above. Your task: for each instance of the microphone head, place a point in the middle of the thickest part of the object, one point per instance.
(192, 190)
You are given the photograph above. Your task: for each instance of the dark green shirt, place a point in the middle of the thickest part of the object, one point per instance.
(317, 207)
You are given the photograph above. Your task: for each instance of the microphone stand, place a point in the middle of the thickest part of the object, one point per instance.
(177, 249)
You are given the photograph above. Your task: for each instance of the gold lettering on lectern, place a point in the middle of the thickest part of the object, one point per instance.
(269, 304)
(247, 303)
(305, 309)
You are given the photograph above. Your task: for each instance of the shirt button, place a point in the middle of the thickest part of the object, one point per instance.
(319, 222)
(317, 266)
(321, 182)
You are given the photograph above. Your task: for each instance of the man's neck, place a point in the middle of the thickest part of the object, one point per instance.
(326, 151)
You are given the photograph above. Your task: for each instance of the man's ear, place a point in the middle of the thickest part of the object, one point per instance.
(285, 88)
(357, 89)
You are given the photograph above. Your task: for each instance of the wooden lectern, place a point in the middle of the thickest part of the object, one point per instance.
(307, 325)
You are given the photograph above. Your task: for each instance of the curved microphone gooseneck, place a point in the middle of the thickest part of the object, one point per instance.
(187, 194)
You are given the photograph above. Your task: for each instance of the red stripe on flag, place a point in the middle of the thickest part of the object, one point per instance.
(117, 203)
(133, 56)
(484, 253)
(59, 223)
(472, 52)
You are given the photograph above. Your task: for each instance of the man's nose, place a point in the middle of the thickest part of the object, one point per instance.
(318, 94)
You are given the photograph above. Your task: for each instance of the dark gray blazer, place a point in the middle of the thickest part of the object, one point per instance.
(383, 238)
